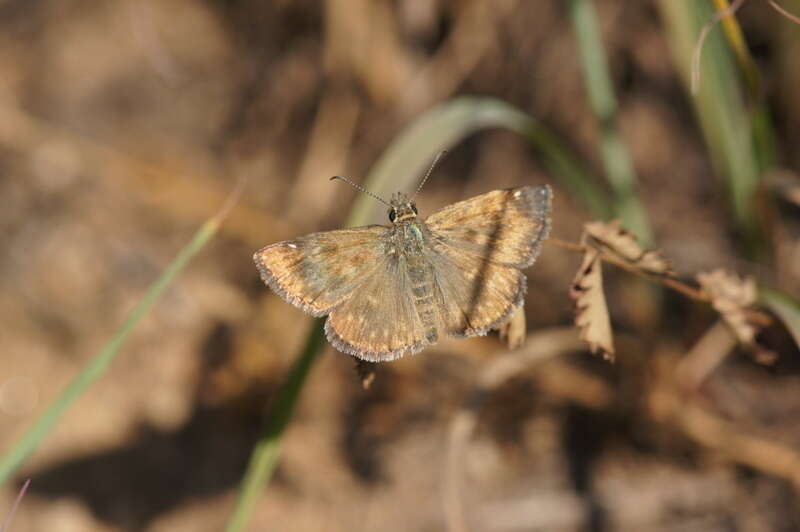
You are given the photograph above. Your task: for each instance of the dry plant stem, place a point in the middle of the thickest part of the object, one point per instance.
(706, 354)
(689, 291)
(746, 449)
(777, 7)
(6, 525)
(685, 289)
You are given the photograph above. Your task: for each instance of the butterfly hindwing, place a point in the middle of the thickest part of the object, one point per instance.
(381, 320)
(318, 271)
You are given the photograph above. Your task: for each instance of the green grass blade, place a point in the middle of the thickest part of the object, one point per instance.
(14, 457)
(616, 160)
(399, 168)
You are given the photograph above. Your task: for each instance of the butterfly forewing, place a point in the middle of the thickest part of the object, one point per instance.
(503, 226)
(318, 271)
(477, 247)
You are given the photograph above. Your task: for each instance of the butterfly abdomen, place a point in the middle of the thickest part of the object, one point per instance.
(422, 290)
(412, 238)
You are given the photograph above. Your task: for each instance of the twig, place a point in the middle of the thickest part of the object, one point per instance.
(687, 290)
(728, 440)
(777, 7)
(706, 354)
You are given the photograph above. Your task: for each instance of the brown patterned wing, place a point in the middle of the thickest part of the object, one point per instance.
(319, 271)
(503, 226)
(477, 250)
(380, 321)
(474, 295)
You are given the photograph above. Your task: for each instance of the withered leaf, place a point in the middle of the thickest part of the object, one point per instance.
(623, 243)
(731, 296)
(591, 311)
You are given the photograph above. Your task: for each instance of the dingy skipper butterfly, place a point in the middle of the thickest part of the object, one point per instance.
(393, 290)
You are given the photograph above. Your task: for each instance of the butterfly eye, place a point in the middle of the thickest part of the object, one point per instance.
(392, 215)
(414, 208)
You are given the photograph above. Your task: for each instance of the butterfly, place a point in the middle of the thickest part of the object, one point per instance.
(393, 290)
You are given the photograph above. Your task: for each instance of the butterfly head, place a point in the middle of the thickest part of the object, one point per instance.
(401, 208)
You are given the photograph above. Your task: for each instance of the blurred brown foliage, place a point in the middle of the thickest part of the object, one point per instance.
(123, 125)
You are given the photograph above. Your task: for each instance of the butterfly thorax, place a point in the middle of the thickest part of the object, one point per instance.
(408, 232)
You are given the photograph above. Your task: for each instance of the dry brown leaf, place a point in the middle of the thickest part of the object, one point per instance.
(731, 296)
(513, 331)
(591, 311)
(623, 243)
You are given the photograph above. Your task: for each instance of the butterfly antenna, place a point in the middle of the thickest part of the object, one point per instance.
(428, 173)
(361, 189)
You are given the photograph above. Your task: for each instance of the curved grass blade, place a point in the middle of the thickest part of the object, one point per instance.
(401, 165)
(447, 124)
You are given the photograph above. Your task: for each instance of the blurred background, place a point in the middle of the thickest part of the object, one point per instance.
(125, 124)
